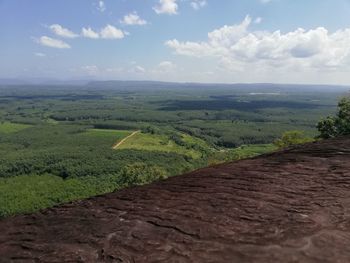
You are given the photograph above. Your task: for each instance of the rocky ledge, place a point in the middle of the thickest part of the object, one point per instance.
(290, 206)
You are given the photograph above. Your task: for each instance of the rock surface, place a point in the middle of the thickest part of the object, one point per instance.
(291, 206)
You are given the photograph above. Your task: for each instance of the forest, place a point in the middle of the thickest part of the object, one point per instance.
(60, 143)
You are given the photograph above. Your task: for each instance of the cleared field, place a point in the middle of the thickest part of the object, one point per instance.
(8, 127)
(120, 142)
(109, 137)
(162, 143)
(192, 146)
(107, 132)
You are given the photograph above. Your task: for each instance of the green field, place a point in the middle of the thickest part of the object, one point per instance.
(247, 151)
(162, 143)
(107, 133)
(8, 127)
(109, 137)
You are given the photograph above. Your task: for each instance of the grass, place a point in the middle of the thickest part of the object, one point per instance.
(242, 152)
(162, 143)
(8, 127)
(51, 121)
(108, 136)
(247, 151)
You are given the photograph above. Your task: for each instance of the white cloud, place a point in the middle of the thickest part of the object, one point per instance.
(91, 70)
(89, 33)
(236, 48)
(108, 32)
(219, 41)
(166, 67)
(133, 19)
(51, 42)
(62, 32)
(166, 7)
(39, 54)
(114, 70)
(101, 6)
(197, 4)
(258, 20)
(138, 69)
(111, 32)
(166, 64)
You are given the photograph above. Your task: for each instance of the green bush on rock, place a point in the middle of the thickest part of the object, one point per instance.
(291, 138)
(337, 125)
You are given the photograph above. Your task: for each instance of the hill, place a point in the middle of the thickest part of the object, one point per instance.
(290, 206)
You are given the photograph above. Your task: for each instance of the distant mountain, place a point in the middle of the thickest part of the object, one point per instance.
(248, 87)
(41, 81)
(147, 84)
(13, 82)
(135, 83)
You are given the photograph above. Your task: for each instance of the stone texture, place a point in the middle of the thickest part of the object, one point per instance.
(290, 206)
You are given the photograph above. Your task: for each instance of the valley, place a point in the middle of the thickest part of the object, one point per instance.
(62, 143)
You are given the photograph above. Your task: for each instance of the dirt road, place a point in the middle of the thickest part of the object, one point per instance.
(115, 146)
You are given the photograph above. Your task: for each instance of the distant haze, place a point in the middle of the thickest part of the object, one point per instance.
(252, 89)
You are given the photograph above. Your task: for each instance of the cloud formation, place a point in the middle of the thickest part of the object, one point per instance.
(169, 7)
(62, 32)
(101, 6)
(198, 4)
(111, 32)
(165, 67)
(137, 69)
(108, 32)
(89, 33)
(51, 42)
(91, 70)
(133, 19)
(258, 20)
(236, 47)
(39, 54)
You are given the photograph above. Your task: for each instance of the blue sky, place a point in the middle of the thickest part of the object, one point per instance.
(285, 41)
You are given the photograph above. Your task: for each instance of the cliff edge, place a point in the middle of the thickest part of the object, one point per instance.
(289, 206)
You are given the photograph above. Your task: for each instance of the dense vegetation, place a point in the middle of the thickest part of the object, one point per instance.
(291, 138)
(339, 124)
(22, 194)
(56, 143)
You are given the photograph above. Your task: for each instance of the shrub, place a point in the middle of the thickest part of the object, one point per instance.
(290, 138)
(141, 173)
(337, 125)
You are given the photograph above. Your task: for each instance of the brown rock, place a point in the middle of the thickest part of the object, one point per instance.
(291, 206)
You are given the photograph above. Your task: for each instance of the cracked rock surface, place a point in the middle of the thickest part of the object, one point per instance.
(290, 206)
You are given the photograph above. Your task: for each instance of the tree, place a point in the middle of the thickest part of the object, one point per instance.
(291, 138)
(141, 173)
(337, 125)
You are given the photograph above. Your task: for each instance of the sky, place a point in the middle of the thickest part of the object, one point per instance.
(221, 41)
